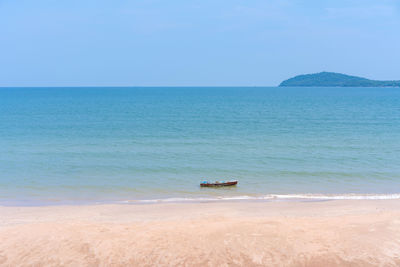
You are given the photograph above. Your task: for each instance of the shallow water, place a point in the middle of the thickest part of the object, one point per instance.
(63, 145)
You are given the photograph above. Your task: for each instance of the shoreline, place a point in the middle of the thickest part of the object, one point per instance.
(312, 233)
(205, 199)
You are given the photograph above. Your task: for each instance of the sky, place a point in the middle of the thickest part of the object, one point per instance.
(194, 42)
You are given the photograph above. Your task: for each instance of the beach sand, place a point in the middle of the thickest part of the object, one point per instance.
(329, 233)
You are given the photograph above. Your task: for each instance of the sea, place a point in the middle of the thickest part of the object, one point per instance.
(156, 144)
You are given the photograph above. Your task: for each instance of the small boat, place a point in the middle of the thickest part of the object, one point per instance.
(218, 183)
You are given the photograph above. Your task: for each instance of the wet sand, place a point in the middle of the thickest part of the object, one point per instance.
(330, 233)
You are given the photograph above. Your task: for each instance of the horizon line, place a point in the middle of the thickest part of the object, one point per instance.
(140, 86)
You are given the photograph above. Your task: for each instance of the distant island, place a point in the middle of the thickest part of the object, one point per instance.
(332, 79)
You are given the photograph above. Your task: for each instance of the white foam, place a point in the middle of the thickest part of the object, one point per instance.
(338, 197)
(271, 197)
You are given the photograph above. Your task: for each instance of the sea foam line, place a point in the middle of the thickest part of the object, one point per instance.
(270, 197)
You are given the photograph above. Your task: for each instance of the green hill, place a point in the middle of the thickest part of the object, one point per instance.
(331, 79)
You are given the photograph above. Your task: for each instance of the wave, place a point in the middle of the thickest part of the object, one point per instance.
(270, 197)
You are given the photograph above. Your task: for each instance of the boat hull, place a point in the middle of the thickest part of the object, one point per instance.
(231, 183)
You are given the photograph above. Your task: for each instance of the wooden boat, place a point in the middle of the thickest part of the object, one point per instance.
(218, 183)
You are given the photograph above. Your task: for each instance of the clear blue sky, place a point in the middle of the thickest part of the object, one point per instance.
(194, 42)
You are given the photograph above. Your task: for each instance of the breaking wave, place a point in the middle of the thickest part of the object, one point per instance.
(270, 197)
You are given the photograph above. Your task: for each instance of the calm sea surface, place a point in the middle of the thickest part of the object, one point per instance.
(83, 145)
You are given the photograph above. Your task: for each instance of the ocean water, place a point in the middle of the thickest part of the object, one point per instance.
(91, 145)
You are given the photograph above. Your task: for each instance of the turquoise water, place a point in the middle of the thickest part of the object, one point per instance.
(83, 145)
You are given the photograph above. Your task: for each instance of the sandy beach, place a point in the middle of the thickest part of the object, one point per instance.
(330, 233)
